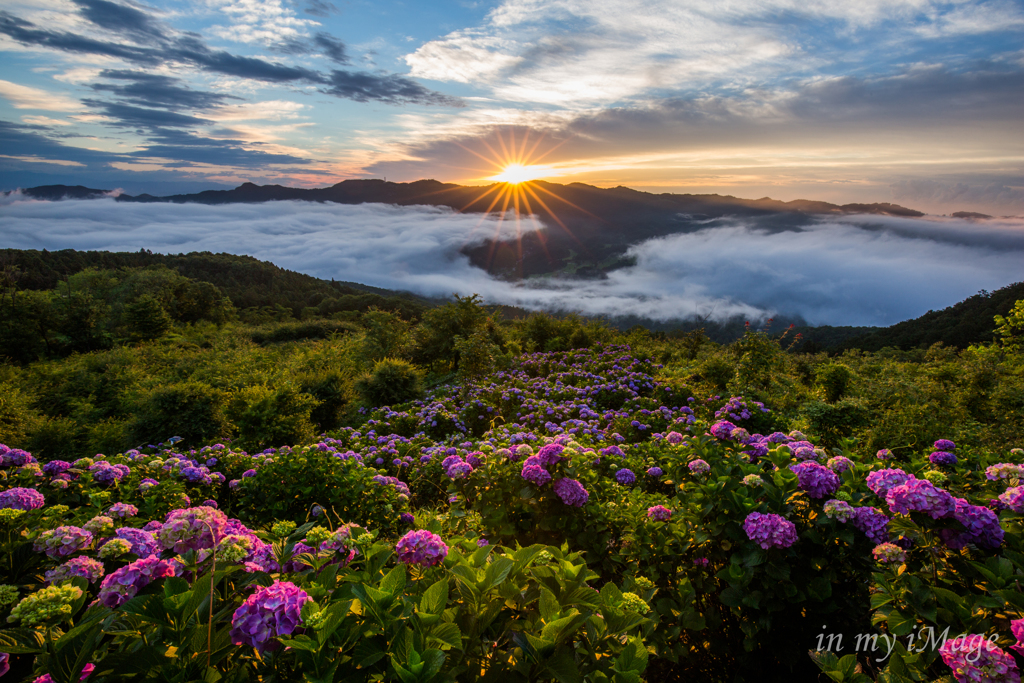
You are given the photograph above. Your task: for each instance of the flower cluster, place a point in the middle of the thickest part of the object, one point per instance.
(192, 529)
(1013, 498)
(125, 583)
(659, 513)
(63, 541)
(920, 495)
(974, 659)
(699, 467)
(571, 492)
(100, 525)
(816, 480)
(839, 464)
(873, 522)
(270, 612)
(635, 603)
(880, 481)
(981, 527)
(143, 543)
(45, 604)
(770, 530)
(1004, 470)
(753, 480)
(625, 477)
(21, 499)
(942, 458)
(422, 548)
(884, 454)
(89, 569)
(839, 510)
(123, 510)
(887, 553)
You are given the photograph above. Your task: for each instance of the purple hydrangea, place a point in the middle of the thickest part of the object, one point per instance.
(699, 467)
(422, 548)
(147, 484)
(944, 445)
(20, 498)
(406, 518)
(535, 474)
(549, 455)
(63, 541)
(1013, 498)
(1003, 470)
(398, 484)
(816, 480)
(770, 530)
(873, 522)
(881, 481)
(248, 473)
(839, 464)
(722, 429)
(884, 454)
(123, 510)
(55, 467)
(974, 659)
(459, 470)
(655, 472)
(270, 612)
(143, 542)
(125, 583)
(981, 527)
(674, 438)
(192, 529)
(47, 678)
(109, 475)
(942, 458)
(85, 567)
(15, 457)
(625, 477)
(571, 492)
(195, 475)
(659, 513)
(920, 495)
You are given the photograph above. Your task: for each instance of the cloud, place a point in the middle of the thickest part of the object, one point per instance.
(392, 89)
(151, 90)
(332, 48)
(858, 270)
(119, 18)
(24, 97)
(952, 196)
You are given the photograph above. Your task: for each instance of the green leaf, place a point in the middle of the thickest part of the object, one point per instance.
(434, 660)
(549, 606)
(394, 581)
(497, 571)
(611, 595)
(562, 667)
(633, 658)
(435, 598)
(448, 633)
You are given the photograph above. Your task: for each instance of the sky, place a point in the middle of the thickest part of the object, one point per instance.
(838, 270)
(918, 102)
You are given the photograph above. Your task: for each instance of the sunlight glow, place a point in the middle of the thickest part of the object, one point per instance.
(520, 173)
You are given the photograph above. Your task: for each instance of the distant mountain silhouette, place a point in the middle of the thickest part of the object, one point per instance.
(587, 230)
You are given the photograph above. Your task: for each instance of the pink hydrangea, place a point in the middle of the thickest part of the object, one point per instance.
(535, 474)
(63, 541)
(270, 612)
(85, 567)
(1013, 498)
(421, 547)
(770, 530)
(699, 467)
(20, 498)
(920, 495)
(659, 513)
(882, 480)
(123, 510)
(885, 553)
(192, 529)
(974, 659)
(125, 583)
(1017, 628)
(816, 480)
(873, 522)
(571, 492)
(47, 678)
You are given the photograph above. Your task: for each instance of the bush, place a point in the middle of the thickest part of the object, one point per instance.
(314, 329)
(392, 381)
(192, 410)
(266, 416)
(834, 379)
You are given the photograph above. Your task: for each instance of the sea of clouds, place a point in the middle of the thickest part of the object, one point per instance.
(852, 270)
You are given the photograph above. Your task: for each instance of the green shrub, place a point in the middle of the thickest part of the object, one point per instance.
(266, 416)
(57, 438)
(392, 381)
(332, 391)
(192, 410)
(834, 379)
(314, 329)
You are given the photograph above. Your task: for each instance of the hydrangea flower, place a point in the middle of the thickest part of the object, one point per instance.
(974, 659)
(886, 553)
(1017, 628)
(839, 464)
(55, 467)
(981, 527)
(839, 510)
(63, 541)
(422, 548)
(143, 542)
(770, 530)
(147, 484)
(192, 529)
(699, 467)
(635, 603)
(674, 438)
(722, 429)
(816, 480)
(873, 522)
(944, 445)
(701, 562)
(49, 603)
(123, 510)
(884, 454)
(753, 480)
(571, 492)
(881, 481)
(920, 495)
(942, 458)
(625, 477)
(655, 472)
(1004, 470)
(89, 569)
(100, 525)
(47, 678)
(125, 583)
(20, 498)
(115, 547)
(1013, 498)
(659, 513)
(270, 612)
(535, 474)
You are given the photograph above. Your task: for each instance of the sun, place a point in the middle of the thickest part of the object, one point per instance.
(521, 173)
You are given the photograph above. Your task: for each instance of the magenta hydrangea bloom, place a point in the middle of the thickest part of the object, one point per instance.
(63, 541)
(143, 542)
(1017, 628)
(123, 510)
(89, 569)
(422, 548)
(981, 527)
(839, 464)
(770, 530)
(920, 495)
(881, 481)
(674, 438)
(1004, 470)
(873, 522)
(270, 612)
(192, 529)
(550, 454)
(535, 474)
(55, 467)
(699, 466)
(459, 470)
(20, 498)
(47, 678)
(625, 477)
(659, 513)
(571, 492)
(884, 454)
(817, 481)
(1013, 498)
(974, 659)
(722, 429)
(125, 583)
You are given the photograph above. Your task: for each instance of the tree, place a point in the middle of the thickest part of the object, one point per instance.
(146, 318)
